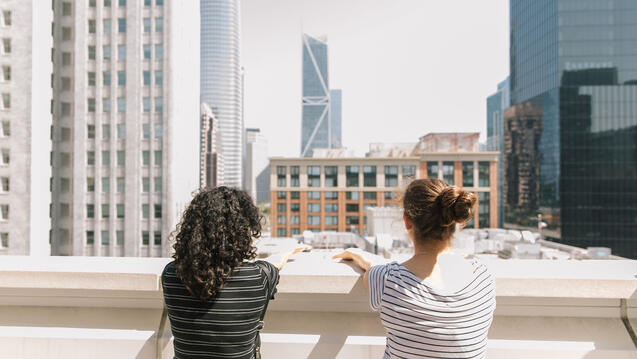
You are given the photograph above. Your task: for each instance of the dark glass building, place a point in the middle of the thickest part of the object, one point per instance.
(570, 135)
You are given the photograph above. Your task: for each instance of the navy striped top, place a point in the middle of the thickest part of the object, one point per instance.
(223, 327)
(423, 321)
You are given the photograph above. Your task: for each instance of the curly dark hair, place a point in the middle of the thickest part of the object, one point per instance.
(213, 237)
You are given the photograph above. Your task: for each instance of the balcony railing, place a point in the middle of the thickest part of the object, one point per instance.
(92, 307)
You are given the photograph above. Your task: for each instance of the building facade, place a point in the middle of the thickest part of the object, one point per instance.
(25, 122)
(211, 160)
(222, 80)
(496, 104)
(572, 127)
(125, 124)
(257, 167)
(319, 129)
(331, 194)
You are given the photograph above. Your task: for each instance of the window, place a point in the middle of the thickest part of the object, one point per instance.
(146, 104)
(91, 104)
(6, 18)
(91, 80)
(351, 207)
(159, 2)
(6, 157)
(145, 211)
(121, 184)
(351, 176)
(483, 209)
(6, 73)
(66, 33)
(107, 3)
(65, 185)
(66, 59)
(483, 175)
(314, 220)
(121, 78)
(281, 207)
(280, 220)
(157, 238)
(105, 239)
(314, 207)
(5, 129)
(66, 83)
(391, 176)
(121, 52)
(467, 174)
(106, 210)
(147, 2)
(6, 101)
(90, 158)
(4, 184)
(107, 26)
(92, 3)
(281, 232)
(159, 51)
(106, 107)
(409, 174)
(120, 238)
(314, 176)
(295, 220)
(66, 8)
(369, 196)
(158, 158)
(146, 24)
(90, 238)
(121, 131)
(159, 24)
(146, 130)
(447, 172)
(121, 25)
(146, 51)
(106, 78)
(294, 231)
(157, 210)
(295, 195)
(145, 184)
(4, 240)
(369, 176)
(121, 104)
(331, 176)
(352, 220)
(90, 131)
(353, 196)
(158, 184)
(121, 158)
(331, 220)
(389, 196)
(6, 45)
(106, 131)
(280, 176)
(90, 211)
(120, 210)
(91, 26)
(146, 76)
(159, 130)
(106, 184)
(106, 158)
(294, 176)
(331, 195)
(432, 169)
(295, 207)
(159, 78)
(146, 158)
(159, 104)
(331, 207)
(314, 195)
(145, 238)
(122, 2)
(90, 184)
(281, 195)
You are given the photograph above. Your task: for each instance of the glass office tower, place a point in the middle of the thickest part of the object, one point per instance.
(570, 135)
(496, 104)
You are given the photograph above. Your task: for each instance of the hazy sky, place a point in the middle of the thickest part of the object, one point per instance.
(406, 67)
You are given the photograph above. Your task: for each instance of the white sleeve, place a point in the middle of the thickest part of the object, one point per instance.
(376, 281)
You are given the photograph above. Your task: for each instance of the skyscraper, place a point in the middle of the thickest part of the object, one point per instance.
(125, 124)
(221, 79)
(496, 104)
(573, 121)
(211, 160)
(257, 166)
(336, 118)
(318, 127)
(25, 122)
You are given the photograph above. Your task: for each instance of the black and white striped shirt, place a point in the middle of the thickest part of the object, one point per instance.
(424, 322)
(223, 327)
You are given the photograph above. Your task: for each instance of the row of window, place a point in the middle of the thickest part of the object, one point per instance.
(107, 53)
(446, 173)
(352, 175)
(332, 195)
(121, 104)
(119, 210)
(119, 238)
(311, 220)
(121, 79)
(121, 184)
(121, 131)
(121, 26)
(107, 3)
(316, 207)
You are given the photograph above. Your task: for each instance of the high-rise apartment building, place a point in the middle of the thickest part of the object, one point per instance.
(211, 160)
(496, 104)
(222, 79)
(125, 124)
(570, 135)
(25, 123)
(257, 166)
(319, 128)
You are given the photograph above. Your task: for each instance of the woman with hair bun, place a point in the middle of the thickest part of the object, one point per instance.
(436, 304)
(215, 295)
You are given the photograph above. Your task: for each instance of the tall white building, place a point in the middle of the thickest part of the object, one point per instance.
(211, 160)
(125, 124)
(221, 79)
(257, 166)
(25, 122)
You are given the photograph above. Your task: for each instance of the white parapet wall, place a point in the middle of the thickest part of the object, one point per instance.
(87, 307)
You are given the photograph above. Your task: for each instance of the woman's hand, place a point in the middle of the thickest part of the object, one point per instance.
(356, 255)
(279, 260)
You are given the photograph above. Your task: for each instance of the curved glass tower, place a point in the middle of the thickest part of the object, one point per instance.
(221, 84)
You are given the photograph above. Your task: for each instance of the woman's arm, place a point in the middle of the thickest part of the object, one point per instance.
(360, 258)
(279, 260)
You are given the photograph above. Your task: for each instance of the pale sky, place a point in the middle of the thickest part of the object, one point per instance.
(406, 67)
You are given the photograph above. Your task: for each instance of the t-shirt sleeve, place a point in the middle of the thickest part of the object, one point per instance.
(272, 276)
(376, 281)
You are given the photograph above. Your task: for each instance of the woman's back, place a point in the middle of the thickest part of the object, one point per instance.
(225, 326)
(447, 315)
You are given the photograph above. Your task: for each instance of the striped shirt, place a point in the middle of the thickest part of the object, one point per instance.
(424, 322)
(226, 326)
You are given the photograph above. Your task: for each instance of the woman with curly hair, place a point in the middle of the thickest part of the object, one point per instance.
(436, 304)
(216, 296)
